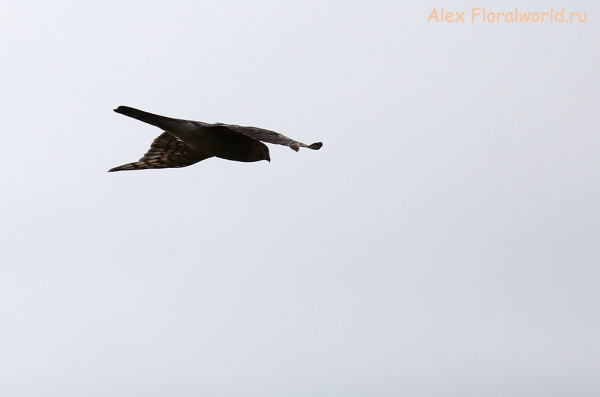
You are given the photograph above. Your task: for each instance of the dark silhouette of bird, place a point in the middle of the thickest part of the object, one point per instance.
(186, 142)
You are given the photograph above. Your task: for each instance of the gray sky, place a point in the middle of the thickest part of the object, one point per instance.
(445, 241)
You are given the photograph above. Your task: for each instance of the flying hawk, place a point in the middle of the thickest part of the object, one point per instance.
(187, 142)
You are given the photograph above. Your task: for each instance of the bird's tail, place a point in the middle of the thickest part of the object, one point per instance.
(153, 119)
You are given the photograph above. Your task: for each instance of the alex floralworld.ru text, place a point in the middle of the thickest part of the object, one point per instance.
(482, 15)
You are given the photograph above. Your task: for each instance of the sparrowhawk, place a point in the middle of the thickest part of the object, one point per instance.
(187, 142)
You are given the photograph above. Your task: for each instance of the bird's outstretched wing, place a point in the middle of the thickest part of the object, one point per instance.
(270, 136)
(166, 152)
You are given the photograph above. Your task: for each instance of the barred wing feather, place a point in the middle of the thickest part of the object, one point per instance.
(166, 152)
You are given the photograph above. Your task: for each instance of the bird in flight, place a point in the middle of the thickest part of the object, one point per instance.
(185, 142)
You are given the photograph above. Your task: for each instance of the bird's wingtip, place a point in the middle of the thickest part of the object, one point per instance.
(316, 146)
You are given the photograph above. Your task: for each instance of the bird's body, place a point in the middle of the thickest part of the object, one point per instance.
(186, 142)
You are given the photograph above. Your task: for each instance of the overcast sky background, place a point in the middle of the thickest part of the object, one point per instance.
(445, 241)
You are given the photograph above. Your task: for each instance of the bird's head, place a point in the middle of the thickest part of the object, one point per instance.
(261, 151)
